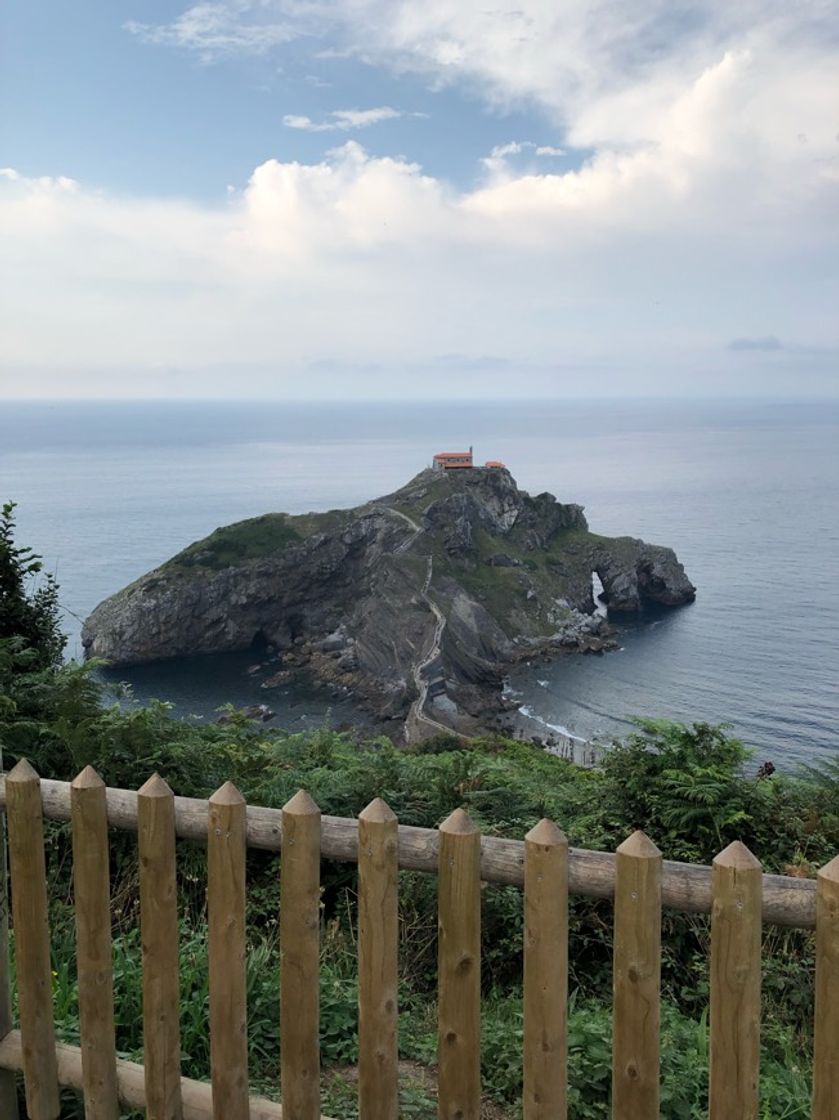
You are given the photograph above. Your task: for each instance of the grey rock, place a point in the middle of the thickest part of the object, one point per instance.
(346, 592)
(334, 642)
(635, 574)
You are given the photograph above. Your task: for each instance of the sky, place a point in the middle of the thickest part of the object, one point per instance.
(304, 198)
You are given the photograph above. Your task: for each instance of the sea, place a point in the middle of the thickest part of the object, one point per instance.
(746, 492)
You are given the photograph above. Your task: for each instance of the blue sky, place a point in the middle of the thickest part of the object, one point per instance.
(104, 105)
(279, 197)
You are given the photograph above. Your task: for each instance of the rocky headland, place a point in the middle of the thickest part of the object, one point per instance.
(418, 602)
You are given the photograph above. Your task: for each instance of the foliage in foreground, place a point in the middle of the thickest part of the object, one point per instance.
(684, 1095)
(688, 788)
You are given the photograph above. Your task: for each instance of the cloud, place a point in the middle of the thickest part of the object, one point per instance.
(580, 60)
(691, 210)
(495, 161)
(580, 55)
(40, 185)
(214, 30)
(343, 120)
(370, 261)
(699, 94)
(622, 79)
(766, 344)
(512, 148)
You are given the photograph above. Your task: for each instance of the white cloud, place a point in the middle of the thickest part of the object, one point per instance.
(630, 260)
(512, 148)
(343, 120)
(620, 77)
(564, 57)
(567, 56)
(496, 160)
(696, 216)
(213, 30)
(361, 118)
(41, 184)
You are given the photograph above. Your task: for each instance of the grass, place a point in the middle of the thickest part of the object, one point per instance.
(329, 521)
(244, 540)
(254, 538)
(785, 1088)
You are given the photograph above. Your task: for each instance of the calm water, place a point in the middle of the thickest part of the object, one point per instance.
(748, 495)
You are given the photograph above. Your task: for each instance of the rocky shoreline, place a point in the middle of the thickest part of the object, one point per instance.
(501, 711)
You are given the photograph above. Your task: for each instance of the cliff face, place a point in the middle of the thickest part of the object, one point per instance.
(447, 580)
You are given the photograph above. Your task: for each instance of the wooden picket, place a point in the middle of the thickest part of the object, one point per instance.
(94, 952)
(544, 1066)
(159, 936)
(735, 985)
(378, 944)
(637, 980)
(459, 969)
(8, 1089)
(226, 851)
(299, 959)
(826, 1032)
(543, 864)
(32, 941)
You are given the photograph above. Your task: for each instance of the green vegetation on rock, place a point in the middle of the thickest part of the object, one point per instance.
(244, 540)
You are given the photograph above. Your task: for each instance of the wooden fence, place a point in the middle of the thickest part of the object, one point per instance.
(734, 891)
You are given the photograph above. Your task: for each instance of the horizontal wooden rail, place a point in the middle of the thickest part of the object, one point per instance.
(787, 901)
(197, 1095)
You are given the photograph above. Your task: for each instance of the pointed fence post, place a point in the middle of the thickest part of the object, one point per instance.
(226, 850)
(378, 945)
(94, 952)
(459, 969)
(8, 1088)
(159, 937)
(545, 973)
(826, 1042)
(32, 941)
(736, 926)
(300, 959)
(637, 979)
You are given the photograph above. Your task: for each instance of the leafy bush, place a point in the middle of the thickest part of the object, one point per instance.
(29, 612)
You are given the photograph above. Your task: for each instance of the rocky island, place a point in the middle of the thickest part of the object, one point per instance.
(419, 601)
